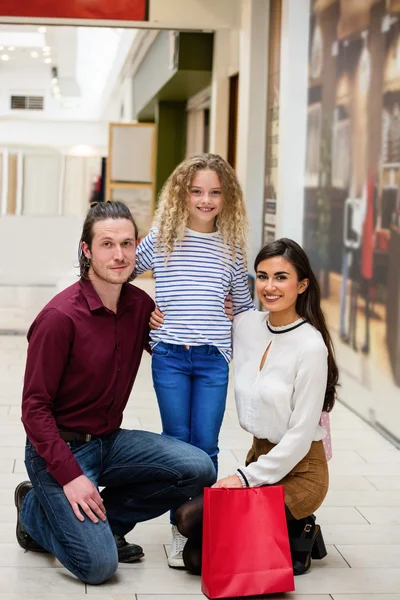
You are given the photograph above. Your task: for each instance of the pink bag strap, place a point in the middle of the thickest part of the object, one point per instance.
(327, 441)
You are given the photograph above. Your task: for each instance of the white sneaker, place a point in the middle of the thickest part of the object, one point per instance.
(175, 554)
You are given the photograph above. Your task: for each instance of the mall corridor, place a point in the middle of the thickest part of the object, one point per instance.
(360, 517)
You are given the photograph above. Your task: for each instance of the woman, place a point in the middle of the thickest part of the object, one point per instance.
(285, 376)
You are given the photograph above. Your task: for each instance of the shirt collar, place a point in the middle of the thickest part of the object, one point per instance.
(93, 299)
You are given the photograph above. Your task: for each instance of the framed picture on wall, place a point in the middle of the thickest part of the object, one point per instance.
(140, 202)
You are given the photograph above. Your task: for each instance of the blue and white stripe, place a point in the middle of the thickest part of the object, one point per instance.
(191, 289)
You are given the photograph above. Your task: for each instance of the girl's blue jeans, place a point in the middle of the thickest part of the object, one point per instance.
(191, 386)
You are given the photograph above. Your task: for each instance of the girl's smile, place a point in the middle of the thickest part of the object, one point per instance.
(205, 201)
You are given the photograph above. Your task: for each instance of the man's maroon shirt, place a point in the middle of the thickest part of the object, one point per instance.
(81, 365)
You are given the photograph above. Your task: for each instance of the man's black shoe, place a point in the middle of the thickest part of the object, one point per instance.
(127, 553)
(23, 538)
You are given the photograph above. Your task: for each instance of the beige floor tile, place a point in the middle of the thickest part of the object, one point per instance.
(11, 399)
(50, 596)
(6, 465)
(347, 457)
(7, 514)
(20, 467)
(361, 534)
(9, 481)
(165, 597)
(391, 455)
(334, 560)
(365, 469)
(349, 482)
(374, 556)
(148, 581)
(155, 558)
(13, 441)
(11, 555)
(292, 596)
(15, 411)
(348, 443)
(385, 515)
(349, 581)
(7, 497)
(366, 596)
(235, 439)
(38, 581)
(131, 423)
(150, 533)
(385, 483)
(13, 452)
(339, 515)
(7, 532)
(367, 498)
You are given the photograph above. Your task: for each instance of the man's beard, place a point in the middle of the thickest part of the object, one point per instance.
(106, 279)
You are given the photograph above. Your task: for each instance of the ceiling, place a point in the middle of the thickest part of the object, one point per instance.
(71, 64)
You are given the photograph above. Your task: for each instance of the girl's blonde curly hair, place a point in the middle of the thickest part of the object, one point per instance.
(173, 210)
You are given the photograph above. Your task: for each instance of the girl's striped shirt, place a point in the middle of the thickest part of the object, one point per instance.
(192, 286)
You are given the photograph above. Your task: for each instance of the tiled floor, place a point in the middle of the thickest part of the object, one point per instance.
(360, 517)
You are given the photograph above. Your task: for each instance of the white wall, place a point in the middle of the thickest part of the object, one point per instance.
(38, 250)
(251, 143)
(54, 134)
(292, 118)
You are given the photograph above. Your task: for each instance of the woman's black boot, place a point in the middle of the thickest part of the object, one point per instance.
(306, 542)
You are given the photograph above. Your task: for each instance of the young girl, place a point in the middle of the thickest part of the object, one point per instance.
(197, 254)
(285, 375)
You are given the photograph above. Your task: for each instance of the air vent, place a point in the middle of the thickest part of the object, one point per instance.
(27, 102)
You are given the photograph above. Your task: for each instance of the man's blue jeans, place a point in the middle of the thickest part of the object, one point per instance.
(144, 474)
(191, 386)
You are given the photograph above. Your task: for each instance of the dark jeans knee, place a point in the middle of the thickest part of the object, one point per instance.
(98, 567)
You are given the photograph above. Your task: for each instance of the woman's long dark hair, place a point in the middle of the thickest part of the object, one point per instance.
(308, 303)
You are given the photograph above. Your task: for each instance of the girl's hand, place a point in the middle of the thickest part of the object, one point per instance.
(156, 319)
(232, 481)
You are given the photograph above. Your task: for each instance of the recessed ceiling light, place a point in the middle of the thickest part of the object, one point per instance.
(47, 61)
(46, 49)
(34, 54)
(42, 29)
(11, 48)
(5, 57)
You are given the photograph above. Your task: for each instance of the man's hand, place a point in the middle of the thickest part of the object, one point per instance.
(156, 318)
(82, 493)
(232, 481)
(229, 307)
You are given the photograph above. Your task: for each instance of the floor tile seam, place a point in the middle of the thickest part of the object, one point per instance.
(344, 558)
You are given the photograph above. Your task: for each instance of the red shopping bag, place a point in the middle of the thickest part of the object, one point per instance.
(245, 543)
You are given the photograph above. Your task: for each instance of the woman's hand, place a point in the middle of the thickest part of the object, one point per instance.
(232, 481)
(156, 319)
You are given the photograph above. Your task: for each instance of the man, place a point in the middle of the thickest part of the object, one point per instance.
(84, 352)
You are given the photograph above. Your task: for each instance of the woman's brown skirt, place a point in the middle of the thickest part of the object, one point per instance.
(306, 485)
